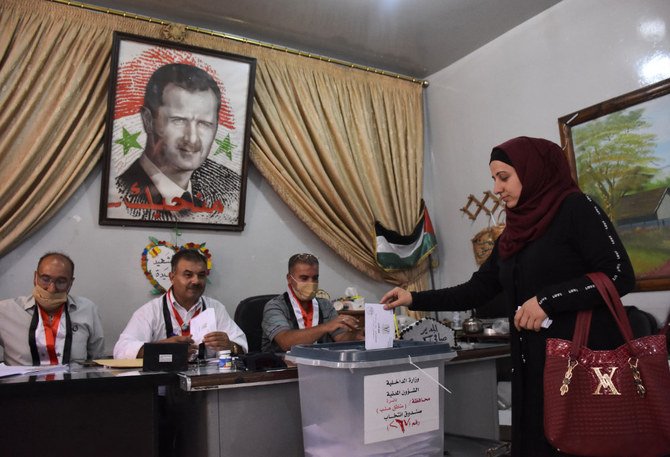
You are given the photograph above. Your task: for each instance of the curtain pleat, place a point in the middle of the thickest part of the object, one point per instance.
(342, 149)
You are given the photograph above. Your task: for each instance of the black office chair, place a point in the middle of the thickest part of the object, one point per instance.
(641, 322)
(249, 315)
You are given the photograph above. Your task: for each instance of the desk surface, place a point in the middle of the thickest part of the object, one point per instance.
(197, 378)
(473, 351)
(78, 376)
(209, 377)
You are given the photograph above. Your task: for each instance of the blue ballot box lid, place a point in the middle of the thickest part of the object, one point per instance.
(354, 355)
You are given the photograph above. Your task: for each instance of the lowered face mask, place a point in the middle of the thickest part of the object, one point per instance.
(305, 291)
(49, 301)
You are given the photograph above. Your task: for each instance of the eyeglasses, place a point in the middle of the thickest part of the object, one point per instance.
(60, 283)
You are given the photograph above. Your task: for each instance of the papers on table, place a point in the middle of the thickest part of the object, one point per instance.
(6, 370)
(379, 326)
(120, 363)
(202, 324)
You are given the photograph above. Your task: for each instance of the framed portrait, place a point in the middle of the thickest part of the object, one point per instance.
(177, 136)
(619, 152)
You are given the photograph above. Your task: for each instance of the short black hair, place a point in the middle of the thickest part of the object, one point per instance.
(188, 77)
(187, 254)
(307, 258)
(57, 254)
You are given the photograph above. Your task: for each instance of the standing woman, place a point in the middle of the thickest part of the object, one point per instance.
(554, 236)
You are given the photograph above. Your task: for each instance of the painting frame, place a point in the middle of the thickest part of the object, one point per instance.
(177, 136)
(586, 124)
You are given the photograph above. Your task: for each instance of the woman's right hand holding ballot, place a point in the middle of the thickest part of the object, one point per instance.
(396, 297)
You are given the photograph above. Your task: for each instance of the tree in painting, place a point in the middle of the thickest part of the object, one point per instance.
(615, 157)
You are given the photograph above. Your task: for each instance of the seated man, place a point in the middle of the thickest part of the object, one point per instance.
(297, 317)
(166, 319)
(50, 327)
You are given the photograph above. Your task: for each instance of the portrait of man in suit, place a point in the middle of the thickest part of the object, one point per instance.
(174, 179)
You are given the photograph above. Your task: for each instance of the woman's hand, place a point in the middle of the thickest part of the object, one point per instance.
(396, 297)
(530, 316)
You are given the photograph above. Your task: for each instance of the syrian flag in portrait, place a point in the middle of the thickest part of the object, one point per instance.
(137, 61)
(400, 252)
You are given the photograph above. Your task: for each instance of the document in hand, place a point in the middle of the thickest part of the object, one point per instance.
(202, 324)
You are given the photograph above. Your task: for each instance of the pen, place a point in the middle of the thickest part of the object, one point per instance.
(397, 329)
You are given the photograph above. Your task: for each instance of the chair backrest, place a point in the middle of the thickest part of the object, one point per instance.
(249, 315)
(641, 322)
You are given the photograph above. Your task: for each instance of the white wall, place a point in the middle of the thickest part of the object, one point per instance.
(576, 54)
(108, 267)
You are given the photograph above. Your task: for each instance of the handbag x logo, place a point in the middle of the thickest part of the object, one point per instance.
(605, 384)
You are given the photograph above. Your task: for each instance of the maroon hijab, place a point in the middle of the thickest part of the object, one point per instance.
(545, 179)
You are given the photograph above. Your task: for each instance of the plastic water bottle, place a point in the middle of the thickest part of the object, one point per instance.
(456, 321)
(225, 361)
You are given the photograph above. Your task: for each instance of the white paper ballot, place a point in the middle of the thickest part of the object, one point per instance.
(202, 324)
(379, 326)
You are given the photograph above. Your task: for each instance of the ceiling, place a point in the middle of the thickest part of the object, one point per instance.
(411, 37)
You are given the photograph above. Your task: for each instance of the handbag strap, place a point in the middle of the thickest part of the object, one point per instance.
(664, 330)
(581, 335)
(616, 306)
(611, 298)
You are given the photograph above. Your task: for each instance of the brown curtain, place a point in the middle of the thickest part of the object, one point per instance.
(53, 97)
(53, 92)
(342, 147)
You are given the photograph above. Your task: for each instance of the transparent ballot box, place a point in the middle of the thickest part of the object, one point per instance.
(380, 402)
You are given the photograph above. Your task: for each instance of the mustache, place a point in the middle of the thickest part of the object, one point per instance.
(189, 146)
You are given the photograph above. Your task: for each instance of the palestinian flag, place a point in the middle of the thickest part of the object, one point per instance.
(401, 252)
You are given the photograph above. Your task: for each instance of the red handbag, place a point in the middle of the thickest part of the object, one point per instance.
(613, 403)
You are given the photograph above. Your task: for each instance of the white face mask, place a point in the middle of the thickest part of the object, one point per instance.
(49, 301)
(305, 291)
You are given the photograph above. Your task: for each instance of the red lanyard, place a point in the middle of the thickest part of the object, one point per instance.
(307, 316)
(185, 329)
(51, 332)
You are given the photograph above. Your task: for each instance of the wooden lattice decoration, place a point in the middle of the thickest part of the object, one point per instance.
(489, 205)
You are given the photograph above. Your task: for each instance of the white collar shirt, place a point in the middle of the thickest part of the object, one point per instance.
(147, 325)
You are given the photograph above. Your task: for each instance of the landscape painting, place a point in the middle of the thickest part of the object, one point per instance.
(620, 154)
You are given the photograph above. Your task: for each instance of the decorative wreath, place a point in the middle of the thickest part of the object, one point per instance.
(156, 259)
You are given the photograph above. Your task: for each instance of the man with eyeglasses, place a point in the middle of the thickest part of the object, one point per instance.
(167, 318)
(50, 327)
(298, 317)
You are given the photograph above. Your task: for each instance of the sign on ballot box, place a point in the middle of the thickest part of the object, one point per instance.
(401, 403)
